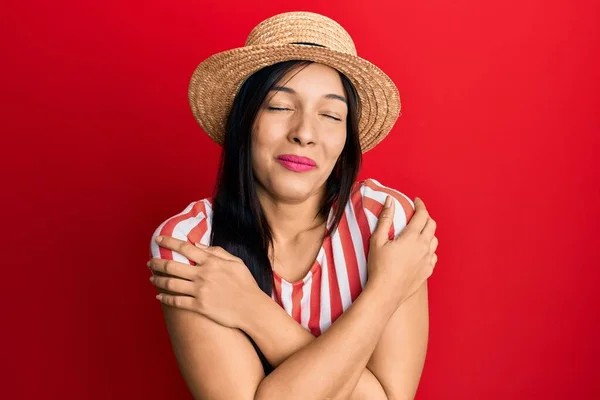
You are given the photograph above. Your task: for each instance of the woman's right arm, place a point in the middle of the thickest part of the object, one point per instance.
(220, 363)
(216, 362)
(205, 349)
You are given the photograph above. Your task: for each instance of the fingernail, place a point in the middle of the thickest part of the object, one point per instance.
(159, 297)
(159, 239)
(149, 264)
(151, 279)
(202, 246)
(388, 201)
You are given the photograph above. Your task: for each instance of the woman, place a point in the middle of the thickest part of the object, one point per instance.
(264, 286)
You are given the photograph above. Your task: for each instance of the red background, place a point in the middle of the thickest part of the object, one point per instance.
(499, 129)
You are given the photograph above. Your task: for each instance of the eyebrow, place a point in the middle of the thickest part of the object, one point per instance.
(327, 96)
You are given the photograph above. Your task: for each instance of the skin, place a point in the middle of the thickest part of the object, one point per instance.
(306, 117)
(375, 350)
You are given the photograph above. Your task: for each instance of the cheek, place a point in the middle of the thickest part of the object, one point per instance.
(265, 134)
(335, 145)
(257, 156)
(262, 145)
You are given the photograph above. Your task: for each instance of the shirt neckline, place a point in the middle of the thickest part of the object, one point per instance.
(318, 262)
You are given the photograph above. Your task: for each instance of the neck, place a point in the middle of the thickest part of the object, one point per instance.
(290, 220)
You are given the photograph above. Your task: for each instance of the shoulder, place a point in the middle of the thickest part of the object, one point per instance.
(191, 224)
(373, 191)
(372, 195)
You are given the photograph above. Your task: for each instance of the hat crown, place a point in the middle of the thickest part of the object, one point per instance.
(304, 28)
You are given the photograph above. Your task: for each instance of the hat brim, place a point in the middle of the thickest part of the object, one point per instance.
(216, 81)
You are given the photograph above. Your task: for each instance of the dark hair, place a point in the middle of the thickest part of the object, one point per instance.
(239, 224)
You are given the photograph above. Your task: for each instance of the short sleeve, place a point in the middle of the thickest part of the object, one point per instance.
(191, 225)
(373, 196)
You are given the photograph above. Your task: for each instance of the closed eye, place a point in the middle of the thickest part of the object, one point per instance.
(289, 109)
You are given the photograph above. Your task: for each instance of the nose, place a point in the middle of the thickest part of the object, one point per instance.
(303, 131)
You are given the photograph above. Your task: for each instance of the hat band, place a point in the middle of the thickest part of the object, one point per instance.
(309, 44)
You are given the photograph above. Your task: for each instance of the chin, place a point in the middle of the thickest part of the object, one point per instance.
(293, 188)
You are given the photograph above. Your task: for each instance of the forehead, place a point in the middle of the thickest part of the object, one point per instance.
(314, 79)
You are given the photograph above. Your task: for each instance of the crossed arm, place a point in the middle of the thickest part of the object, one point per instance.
(374, 350)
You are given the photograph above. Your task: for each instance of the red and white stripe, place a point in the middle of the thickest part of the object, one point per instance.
(339, 273)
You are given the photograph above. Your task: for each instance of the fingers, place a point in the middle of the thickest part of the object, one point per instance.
(433, 248)
(183, 302)
(173, 285)
(197, 253)
(428, 231)
(419, 219)
(184, 248)
(433, 244)
(386, 218)
(174, 268)
(217, 251)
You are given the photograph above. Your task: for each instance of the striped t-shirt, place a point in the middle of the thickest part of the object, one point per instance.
(339, 273)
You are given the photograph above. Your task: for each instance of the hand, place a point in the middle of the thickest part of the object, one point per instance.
(401, 265)
(219, 286)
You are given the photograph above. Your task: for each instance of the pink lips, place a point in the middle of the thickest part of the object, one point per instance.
(296, 163)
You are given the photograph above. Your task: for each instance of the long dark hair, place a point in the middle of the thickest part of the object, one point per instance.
(239, 224)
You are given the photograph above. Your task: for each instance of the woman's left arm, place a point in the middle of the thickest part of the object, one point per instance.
(395, 366)
(279, 336)
(399, 356)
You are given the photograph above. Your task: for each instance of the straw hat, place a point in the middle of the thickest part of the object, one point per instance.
(293, 36)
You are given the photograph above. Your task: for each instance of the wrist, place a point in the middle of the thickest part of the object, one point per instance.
(383, 295)
(250, 312)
